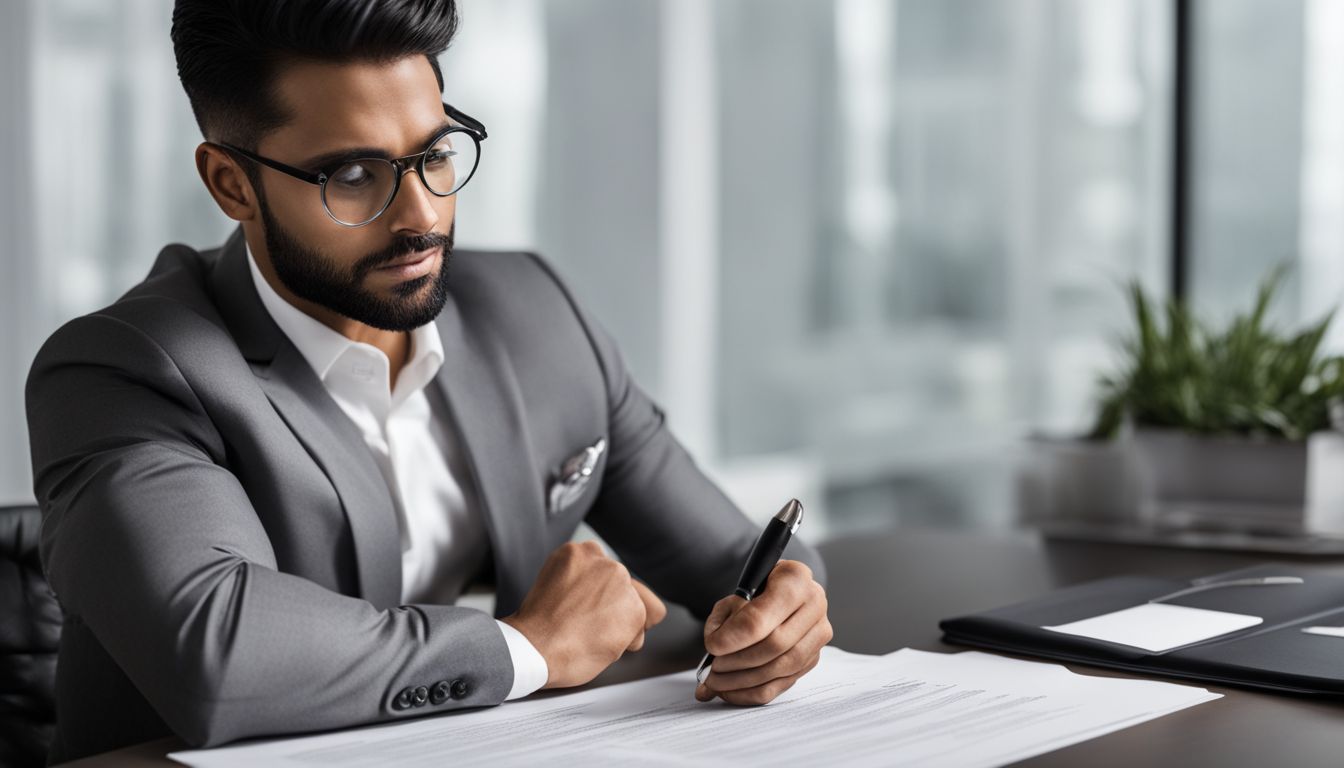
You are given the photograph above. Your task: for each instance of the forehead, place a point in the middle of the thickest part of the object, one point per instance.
(355, 104)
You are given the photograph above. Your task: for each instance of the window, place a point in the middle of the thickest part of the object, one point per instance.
(928, 210)
(1268, 156)
(858, 248)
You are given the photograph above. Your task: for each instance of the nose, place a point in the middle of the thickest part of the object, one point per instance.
(413, 210)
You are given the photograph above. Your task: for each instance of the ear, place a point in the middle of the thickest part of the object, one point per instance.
(226, 182)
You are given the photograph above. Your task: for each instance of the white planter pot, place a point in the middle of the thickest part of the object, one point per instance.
(1241, 484)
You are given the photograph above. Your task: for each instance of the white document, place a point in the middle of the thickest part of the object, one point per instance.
(1158, 626)
(906, 708)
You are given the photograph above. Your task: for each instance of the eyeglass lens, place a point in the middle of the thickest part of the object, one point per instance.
(358, 191)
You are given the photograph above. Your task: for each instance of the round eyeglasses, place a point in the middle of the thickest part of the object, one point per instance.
(356, 191)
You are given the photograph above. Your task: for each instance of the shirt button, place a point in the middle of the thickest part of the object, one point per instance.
(419, 696)
(439, 693)
(460, 689)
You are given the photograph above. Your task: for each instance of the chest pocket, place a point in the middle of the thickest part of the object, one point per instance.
(575, 480)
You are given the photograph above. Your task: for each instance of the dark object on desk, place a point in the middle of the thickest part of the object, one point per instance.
(30, 629)
(1275, 655)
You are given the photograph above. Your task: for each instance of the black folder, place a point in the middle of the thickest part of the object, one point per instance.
(1275, 655)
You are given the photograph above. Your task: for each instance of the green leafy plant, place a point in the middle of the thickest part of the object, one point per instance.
(1245, 380)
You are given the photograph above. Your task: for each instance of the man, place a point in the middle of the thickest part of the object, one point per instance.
(268, 471)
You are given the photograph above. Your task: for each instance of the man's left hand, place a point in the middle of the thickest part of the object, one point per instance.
(762, 647)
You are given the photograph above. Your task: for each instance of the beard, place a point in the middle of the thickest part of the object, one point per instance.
(308, 275)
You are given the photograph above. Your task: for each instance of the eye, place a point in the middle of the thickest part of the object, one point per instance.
(438, 156)
(352, 175)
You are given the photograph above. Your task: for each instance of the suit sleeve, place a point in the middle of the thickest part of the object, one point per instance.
(670, 524)
(151, 542)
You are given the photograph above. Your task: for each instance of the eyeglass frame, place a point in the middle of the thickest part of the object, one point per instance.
(467, 124)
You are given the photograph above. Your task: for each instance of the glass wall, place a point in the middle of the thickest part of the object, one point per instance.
(858, 248)
(103, 176)
(1268, 164)
(1247, 161)
(928, 209)
(106, 92)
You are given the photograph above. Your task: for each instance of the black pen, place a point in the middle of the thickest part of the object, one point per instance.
(764, 557)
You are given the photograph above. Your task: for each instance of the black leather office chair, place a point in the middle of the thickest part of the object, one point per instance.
(30, 628)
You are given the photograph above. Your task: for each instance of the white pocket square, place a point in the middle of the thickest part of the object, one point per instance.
(570, 479)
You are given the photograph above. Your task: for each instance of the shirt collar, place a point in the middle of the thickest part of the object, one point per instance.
(322, 347)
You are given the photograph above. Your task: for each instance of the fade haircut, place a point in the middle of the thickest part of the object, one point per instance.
(230, 52)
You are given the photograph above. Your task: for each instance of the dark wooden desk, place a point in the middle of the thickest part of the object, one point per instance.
(889, 591)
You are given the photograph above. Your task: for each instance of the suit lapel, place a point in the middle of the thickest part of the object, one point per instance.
(328, 435)
(336, 444)
(481, 389)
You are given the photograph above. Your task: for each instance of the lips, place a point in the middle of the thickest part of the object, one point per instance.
(409, 259)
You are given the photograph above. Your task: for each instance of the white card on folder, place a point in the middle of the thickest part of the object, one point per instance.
(1327, 631)
(1158, 627)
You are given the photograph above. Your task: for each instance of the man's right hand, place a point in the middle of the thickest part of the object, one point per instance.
(583, 612)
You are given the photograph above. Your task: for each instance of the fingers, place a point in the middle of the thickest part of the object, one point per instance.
(637, 643)
(764, 646)
(761, 694)
(800, 656)
(654, 610)
(722, 610)
(743, 624)
(641, 620)
(780, 640)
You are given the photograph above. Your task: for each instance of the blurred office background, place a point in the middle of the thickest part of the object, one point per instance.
(857, 248)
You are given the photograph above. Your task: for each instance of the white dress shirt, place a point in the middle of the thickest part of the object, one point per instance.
(443, 536)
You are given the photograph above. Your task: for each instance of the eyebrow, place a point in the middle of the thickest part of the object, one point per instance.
(327, 159)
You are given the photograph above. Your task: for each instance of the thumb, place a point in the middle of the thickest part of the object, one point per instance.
(722, 610)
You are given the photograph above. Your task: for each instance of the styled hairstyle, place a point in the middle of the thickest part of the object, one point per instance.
(230, 52)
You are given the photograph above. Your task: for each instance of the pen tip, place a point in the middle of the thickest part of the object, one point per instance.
(791, 515)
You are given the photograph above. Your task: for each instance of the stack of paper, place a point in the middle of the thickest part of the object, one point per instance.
(906, 708)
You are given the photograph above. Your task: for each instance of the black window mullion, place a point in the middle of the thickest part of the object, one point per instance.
(1181, 158)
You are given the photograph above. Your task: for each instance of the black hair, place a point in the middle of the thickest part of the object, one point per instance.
(229, 52)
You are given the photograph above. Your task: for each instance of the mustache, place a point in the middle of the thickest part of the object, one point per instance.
(403, 247)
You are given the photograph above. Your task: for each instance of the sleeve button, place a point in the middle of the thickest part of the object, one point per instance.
(419, 696)
(460, 689)
(403, 699)
(439, 693)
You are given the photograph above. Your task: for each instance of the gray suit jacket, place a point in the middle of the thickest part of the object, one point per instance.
(223, 545)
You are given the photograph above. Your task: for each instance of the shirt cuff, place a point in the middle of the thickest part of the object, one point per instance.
(529, 666)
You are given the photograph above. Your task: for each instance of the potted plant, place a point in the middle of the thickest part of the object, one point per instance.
(1232, 428)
